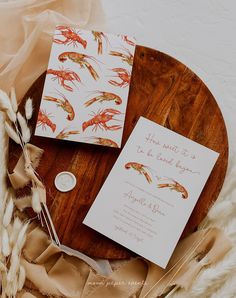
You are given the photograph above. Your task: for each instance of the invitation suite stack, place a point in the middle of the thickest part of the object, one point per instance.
(159, 175)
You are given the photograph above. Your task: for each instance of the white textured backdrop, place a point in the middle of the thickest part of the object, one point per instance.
(199, 33)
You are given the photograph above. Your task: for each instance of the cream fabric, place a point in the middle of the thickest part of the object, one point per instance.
(54, 272)
(25, 36)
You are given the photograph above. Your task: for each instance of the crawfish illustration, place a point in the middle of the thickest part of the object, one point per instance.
(64, 104)
(104, 142)
(43, 120)
(140, 168)
(176, 187)
(100, 120)
(128, 41)
(126, 57)
(63, 75)
(104, 96)
(71, 37)
(123, 75)
(82, 60)
(63, 134)
(98, 37)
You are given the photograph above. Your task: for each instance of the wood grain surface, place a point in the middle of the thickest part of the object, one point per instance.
(163, 90)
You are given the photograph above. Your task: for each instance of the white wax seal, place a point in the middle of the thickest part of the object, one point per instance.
(65, 181)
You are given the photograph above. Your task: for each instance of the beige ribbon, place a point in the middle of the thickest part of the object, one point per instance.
(21, 174)
(53, 272)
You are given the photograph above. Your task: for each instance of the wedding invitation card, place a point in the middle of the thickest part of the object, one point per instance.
(151, 191)
(86, 88)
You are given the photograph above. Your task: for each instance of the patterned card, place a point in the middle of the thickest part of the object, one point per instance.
(151, 191)
(86, 88)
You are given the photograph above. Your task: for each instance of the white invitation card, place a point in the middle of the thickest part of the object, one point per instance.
(151, 191)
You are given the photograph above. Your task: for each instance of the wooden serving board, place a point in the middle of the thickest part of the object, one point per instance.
(163, 90)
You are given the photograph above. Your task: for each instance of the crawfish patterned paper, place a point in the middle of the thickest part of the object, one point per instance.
(86, 88)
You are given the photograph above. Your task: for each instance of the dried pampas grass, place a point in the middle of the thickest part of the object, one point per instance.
(11, 115)
(25, 131)
(13, 99)
(5, 104)
(22, 236)
(12, 134)
(17, 225)
(8, 213)
(5, 243)
(21, 278)
(12, 230)
(15, 265)
(28, 109)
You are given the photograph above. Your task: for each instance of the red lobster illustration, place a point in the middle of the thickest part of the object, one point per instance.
(100, 120)
(126, 56)
(98, 37)
(104, 96)
(104, 142)
(65, 134)
(81, 59)
(63, 103)
(43, 120)
(71, 37)
(140, 168)
(63, 75)
(124, 75)
(176, 186)
(130, 42)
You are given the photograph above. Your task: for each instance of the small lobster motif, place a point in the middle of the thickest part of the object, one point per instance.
(128, 41)
(104, 96)
(64, 135)
(125, 57)
(100, 120)
(140, 168)
(63, 75)
(43, 120)
(104, 142)
(98, 37)
(64, 104)
(71, 37)
(176, 187)
(123, 75)
(81, 59)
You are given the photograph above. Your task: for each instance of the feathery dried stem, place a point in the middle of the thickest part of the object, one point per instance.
(21, 278)
(12, 134)
(3, 205)
(11, 115)
(17, 225)
(28, 108)
(13, 99)
(21, 237)
(5, 103)
(25, 131)
(5, 243)
(14, 267)
(8, 213)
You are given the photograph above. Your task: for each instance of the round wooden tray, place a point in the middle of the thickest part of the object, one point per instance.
(163, 90)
